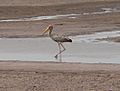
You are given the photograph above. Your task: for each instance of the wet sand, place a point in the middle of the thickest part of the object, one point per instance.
(41, 76)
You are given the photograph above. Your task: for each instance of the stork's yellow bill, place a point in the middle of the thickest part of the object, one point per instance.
(50, 27)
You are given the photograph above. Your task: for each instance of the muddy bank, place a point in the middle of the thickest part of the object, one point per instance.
(83, 24)
(28, 11)
(112, 39)
(69, 27)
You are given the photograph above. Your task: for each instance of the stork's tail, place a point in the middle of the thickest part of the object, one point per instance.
(70, 40)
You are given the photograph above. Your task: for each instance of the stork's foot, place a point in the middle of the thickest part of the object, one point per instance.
(56, 56)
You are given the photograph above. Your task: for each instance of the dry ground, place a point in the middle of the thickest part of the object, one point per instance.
(38, 76)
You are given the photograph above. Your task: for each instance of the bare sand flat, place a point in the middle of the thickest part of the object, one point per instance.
(40, 76)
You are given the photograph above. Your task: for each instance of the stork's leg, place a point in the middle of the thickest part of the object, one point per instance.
(56, 56)
(62, 47)
(60, 55)
(60, 51)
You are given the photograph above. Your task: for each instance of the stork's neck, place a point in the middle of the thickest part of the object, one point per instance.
(50, 33)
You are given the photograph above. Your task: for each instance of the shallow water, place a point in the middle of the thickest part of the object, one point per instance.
(99, 35)
(84, 48)
(73, 16)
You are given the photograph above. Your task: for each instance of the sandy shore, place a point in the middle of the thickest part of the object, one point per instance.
(40, 76)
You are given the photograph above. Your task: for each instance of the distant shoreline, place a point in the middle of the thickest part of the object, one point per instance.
(46, 2)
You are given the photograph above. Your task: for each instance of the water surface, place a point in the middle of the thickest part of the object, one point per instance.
(84, 48)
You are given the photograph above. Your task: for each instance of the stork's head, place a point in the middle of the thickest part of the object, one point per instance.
(49, 28)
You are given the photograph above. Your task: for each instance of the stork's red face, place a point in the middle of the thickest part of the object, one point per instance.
(50, 27)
